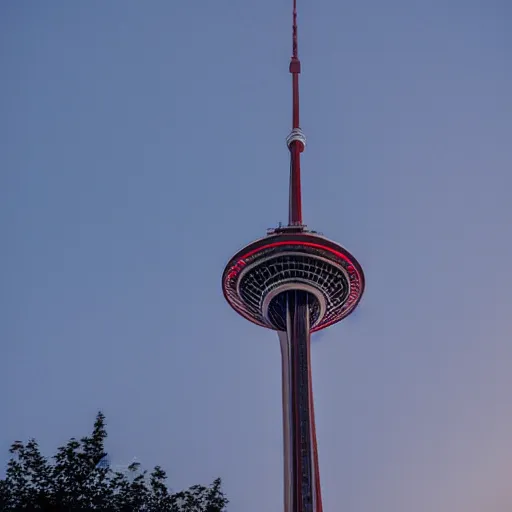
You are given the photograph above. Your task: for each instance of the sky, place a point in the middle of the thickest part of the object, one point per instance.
(143, 143)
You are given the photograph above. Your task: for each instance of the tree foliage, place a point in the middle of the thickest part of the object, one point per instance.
(75, 482)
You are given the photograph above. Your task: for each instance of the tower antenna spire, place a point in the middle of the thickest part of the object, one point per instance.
(296, 140)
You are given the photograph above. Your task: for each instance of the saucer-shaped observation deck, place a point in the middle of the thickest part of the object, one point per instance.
(257, 279)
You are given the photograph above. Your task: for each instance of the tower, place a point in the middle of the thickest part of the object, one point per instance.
(296, 282)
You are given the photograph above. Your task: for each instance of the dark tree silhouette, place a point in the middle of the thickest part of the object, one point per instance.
(75, 482)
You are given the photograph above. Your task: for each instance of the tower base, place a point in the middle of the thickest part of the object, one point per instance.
(302, 492)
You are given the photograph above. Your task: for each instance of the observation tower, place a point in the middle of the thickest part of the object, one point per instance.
(295, 281)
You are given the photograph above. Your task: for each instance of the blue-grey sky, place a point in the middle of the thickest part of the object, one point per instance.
(143, 143)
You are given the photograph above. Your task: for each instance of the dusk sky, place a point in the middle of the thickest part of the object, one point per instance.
(142, 143)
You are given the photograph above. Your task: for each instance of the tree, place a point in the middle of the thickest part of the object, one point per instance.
(77, 481)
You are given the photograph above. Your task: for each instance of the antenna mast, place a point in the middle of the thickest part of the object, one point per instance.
(296, 141)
